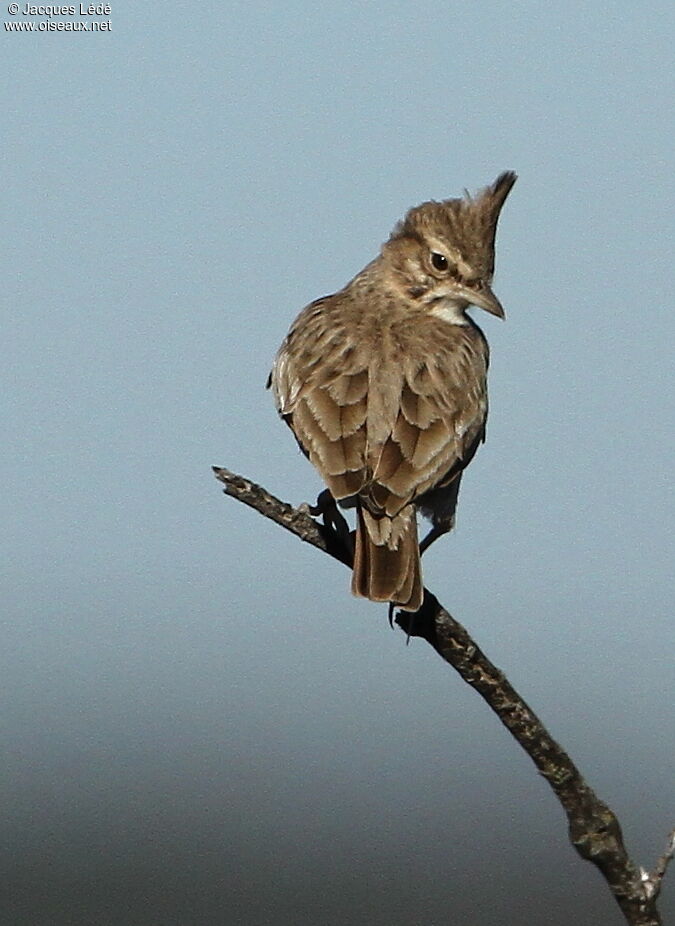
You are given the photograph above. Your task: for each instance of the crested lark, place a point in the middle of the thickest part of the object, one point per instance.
(384, 384)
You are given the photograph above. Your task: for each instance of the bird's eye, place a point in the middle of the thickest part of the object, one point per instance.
(439, 261)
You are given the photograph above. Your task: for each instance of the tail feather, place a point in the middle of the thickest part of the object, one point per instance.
(387, 563)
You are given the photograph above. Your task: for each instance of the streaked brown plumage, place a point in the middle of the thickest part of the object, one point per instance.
(384, 384)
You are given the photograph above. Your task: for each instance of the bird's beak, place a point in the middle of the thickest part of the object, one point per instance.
(483, 297)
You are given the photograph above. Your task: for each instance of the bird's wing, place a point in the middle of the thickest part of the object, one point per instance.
(441, 415)
(385, 420)
(320, 382)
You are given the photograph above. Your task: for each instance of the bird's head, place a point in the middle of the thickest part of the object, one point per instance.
(442, 254)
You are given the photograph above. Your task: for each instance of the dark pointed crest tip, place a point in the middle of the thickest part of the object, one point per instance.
(501, 188)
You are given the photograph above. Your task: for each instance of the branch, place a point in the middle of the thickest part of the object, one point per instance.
(594, 829)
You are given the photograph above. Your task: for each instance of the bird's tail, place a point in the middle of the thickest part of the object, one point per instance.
(387, 563)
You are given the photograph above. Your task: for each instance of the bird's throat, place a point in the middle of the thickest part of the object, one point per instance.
(450, 310)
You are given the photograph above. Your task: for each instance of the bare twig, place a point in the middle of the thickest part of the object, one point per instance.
(593, 827)
(653, 880)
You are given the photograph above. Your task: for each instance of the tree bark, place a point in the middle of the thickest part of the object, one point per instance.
(594, 829)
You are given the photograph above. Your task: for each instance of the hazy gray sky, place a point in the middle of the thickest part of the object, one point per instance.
(201, 726)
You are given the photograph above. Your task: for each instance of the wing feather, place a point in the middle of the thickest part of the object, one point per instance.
(388, 419)
(442, 411)
(326, 404)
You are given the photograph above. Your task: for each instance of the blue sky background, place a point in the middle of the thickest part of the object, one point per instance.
(200, 725)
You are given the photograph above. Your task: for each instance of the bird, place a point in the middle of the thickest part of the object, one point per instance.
(384, 385)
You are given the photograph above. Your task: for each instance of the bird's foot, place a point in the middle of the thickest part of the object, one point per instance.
(435, 532)
(333, 520)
